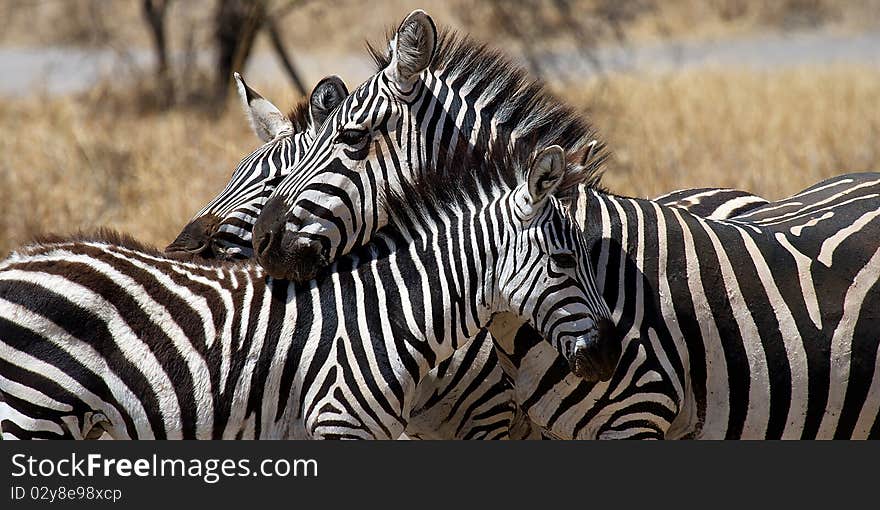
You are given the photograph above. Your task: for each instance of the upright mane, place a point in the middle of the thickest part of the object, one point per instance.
(469, 175)
(299, 115)
(523, 107)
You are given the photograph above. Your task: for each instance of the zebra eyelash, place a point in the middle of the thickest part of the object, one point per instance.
(352, 137)
(564, 260)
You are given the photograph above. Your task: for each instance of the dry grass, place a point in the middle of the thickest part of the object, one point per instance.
(67, 164)
(772, 133)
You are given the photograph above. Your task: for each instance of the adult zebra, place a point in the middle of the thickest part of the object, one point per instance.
(105, 336)
(467, 396)
(759, 326)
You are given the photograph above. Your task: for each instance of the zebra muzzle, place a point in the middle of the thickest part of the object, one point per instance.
(303, 257)
(285, 254)
(196, 236)
(595, 357)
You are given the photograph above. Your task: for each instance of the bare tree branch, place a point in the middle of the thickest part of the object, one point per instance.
(278, 45)
(154, 13)
(236, 25)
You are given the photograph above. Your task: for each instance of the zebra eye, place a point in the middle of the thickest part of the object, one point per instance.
(352, 137)
(564, 260)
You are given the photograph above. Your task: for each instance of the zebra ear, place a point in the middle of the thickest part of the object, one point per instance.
(545, 174)
(325, 97)
(412, 48)
(265, 118)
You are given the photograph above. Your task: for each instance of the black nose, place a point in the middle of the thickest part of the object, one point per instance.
(597, 359)
(611, 348)
(195, 238)
(267, 234)
(283, 254)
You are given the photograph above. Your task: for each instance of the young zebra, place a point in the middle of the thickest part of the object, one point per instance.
(758, 326)
(105, 336)
(466, 396)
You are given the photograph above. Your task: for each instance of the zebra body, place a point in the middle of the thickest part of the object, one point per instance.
(713, 203)
(104, 336)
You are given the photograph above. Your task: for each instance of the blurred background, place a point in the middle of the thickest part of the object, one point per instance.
(120, 113)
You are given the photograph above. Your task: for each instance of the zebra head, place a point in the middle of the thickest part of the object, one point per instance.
(223, 227)
(331, 205)
(433, 93)
(545, 275)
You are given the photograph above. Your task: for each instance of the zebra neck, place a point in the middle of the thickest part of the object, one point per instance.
(444, 263)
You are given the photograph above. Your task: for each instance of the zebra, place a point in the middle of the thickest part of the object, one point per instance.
(767, 358)
(757, 326)
(107, 336)
(222, 228)
(467, 396)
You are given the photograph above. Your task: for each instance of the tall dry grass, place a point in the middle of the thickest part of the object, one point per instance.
(771, 133)
(68, 164)
(65, 165)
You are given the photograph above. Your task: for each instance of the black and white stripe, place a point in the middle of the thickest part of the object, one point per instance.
(467, 396)
(745, 327)
(712, 203)
(106, 336)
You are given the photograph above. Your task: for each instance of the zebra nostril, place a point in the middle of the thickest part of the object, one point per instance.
(264, 243)
(594, 357)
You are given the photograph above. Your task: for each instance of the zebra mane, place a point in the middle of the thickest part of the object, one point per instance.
(470, 175)
(299, 116)
(524, 107)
